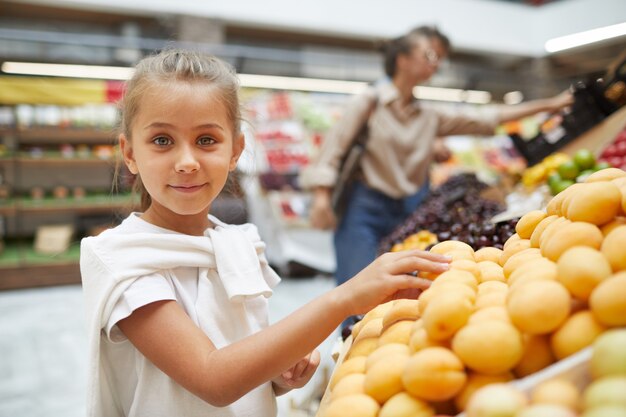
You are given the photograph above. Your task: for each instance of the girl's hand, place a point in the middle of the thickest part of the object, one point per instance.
(298, 375)
(563, 99)
(390, 276)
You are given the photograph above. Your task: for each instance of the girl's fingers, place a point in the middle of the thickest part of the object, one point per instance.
(410, 264)
(435, 257)
(407, 282)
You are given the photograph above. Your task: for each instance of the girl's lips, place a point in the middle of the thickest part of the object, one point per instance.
(187, 188)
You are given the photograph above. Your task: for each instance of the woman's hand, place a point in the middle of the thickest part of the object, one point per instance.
(390, 276)
(321, 214)
(563, 99)
(441, 153)
(298, 375)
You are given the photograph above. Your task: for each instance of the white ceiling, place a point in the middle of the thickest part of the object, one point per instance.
(473, 25)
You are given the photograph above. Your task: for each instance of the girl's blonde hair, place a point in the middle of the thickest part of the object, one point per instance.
(177, 65)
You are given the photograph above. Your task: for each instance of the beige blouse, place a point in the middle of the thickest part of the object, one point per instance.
(399, 149)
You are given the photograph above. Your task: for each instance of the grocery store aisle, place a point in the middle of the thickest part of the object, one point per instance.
(43, 345)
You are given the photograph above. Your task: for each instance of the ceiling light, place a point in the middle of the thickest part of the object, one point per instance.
(71, 71)
(513, 97)
(583, 38)
(247, 80)
(452, 94)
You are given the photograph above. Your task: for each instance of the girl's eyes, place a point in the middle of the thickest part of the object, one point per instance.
(202, 141)
(162, 141)
(206, 140)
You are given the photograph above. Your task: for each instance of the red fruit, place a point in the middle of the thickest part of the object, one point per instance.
(616, 161)
(620, 148)
(609, 151)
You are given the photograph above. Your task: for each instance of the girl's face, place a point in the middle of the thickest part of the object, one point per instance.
(183, 147)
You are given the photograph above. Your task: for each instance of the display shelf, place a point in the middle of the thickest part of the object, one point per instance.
(56, 160)
(55, 135)
(22, 267)
(599, 136)
(88, 204)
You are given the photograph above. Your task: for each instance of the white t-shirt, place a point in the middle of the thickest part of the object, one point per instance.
(136, 385)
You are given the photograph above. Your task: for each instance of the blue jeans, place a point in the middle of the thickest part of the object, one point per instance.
(369, 217)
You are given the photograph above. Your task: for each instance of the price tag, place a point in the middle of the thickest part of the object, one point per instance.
(53, 239)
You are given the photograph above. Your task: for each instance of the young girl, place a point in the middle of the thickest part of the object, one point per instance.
(176, 299)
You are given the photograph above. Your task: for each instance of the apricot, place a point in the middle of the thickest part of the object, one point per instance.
(496, 400)
(493, 299)
(527, 223)
(613, 248)
(606, 174)
(540, 266)
(390, 349)
(518, 259)
(434, 374)
(466, 265)
(447, 246)
(489, 347)
(608, 300)
(558, 391)
(445, 287)
(399, 332)
(347, 367)
(538, 307)
(578, 332)
(405, 405)
(420, 340)
(403, 309)
(384, 378)
(445, 314)
(354, 405)
(487, 254)
(608, 390)
(558, 224)
(376, 313)
(616, 222)
(573, 234)
(490, 271)
(597, 203)
(580, 269)
(463, 277)
(476, 381)
(546, 410)
(609, 354)
(512, 249)
(541, 226)
(537, 355)
(512, 239)
(350, 384)
(492, 286)
(557, 205)
(495, 312)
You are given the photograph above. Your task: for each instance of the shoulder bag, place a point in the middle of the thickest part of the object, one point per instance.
(350, 165)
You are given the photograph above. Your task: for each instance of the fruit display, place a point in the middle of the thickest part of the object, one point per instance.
(615, 153)
(560, 171)
(556, 287)
(453, 211)
(598, 393)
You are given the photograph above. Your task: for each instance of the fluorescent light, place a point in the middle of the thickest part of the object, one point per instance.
(247, 80)
(72, 71)
(586, 37)
(452, 94)
(301, 84)
(513, 97)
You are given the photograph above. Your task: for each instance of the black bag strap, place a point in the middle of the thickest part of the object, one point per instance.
(362, 134)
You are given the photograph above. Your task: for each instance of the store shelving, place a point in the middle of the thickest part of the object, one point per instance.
(54, 175)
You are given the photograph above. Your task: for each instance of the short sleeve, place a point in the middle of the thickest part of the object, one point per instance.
(141, 292)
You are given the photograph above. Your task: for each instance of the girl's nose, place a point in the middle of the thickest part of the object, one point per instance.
(186, 161)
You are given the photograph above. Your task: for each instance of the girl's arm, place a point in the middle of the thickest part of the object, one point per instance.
(163, 332)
